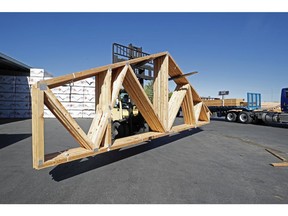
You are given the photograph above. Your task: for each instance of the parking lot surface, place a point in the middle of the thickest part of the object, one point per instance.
(218, 163)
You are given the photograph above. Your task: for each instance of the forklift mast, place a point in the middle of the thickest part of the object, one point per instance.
(143, 71)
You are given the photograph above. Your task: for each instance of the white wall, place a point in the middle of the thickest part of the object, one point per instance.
(15, 96)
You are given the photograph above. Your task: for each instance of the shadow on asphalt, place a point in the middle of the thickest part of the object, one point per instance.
(74, 168)
(6, 121)
(278, 125)
(217, 119)
(9, 139)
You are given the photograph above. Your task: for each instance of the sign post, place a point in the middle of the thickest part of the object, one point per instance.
(222, 93)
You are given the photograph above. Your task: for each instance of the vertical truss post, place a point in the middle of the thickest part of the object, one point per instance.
(188, 108)
(108, 108)
(37, 126)
(160, 89)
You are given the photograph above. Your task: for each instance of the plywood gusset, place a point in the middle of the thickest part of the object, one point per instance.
(159, 115)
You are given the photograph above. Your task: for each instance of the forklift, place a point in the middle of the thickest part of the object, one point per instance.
(126, 119)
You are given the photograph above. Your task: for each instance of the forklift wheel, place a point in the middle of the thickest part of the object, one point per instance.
(117, 130)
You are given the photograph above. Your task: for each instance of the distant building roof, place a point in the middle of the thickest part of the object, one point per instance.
(9, 64)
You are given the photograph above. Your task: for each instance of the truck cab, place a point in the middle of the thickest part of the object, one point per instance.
(284, 100)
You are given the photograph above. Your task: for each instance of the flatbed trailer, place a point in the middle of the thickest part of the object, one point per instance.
(251, 113)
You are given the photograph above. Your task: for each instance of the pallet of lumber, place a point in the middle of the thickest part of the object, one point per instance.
(271, 106)
(225, 102)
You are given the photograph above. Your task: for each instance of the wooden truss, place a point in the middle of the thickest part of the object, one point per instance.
(159, 115)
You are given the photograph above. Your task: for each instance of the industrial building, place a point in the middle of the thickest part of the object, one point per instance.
(16, 79)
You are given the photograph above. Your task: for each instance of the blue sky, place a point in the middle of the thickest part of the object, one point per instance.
(239, 52)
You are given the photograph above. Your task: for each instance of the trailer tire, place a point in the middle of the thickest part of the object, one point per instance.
(231, 117)
(245, 118)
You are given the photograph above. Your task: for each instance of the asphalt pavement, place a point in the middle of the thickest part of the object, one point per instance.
(218, 163)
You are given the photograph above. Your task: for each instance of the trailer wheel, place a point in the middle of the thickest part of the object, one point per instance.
(245, 118)
(231, 117)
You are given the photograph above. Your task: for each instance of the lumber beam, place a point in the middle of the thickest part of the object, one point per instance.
(195, 95)
(97, 131)
(160, 89)
(182, 127)
(284, 162)
(62, 80)
(188, 108)
(54, 105)
(37, 126)
(204, 114)
(197, 110)
(73, 154)
(280, 164)
(68, 155)
(99, 80)
(276, 154)
(108, 108)
(117, 84)
(130, 140)
(99, 125)
(138, 95)
(175, 102)
(174, 71)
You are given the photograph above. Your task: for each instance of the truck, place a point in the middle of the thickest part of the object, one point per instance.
(251, 113)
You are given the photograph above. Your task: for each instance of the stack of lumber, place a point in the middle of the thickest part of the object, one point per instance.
(77, 97)
(227, 102)
(271, 106)
(15, 93)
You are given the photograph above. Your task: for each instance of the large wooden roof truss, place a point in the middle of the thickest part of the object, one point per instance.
(159, 115)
